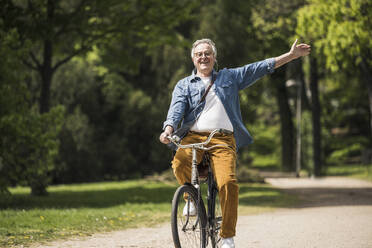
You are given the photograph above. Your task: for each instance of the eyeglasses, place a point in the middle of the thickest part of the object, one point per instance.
(200, 54)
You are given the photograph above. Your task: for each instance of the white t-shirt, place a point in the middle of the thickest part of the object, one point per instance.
(214, 115)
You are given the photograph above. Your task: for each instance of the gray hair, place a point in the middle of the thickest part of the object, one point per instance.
(207, 41)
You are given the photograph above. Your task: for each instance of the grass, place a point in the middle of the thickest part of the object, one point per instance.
(266, 163)
(84, 209)
(356, 171)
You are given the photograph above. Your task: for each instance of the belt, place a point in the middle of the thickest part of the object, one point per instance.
(220, 131)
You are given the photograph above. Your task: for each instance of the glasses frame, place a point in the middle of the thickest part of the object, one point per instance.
(207, 54)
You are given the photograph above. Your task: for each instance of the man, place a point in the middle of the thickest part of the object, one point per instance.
(219, 108)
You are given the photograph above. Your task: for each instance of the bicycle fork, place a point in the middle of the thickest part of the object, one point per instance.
(195, 183)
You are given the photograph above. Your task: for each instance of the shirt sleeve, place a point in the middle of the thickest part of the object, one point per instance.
(177, 107)
(248, 74)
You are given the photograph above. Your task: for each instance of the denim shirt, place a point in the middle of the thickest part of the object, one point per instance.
(188, 91)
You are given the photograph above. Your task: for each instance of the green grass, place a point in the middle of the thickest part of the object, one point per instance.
(356, 171)
(266, 163)
(84, 209)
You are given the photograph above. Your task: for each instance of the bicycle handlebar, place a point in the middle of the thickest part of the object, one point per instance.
(177, 141)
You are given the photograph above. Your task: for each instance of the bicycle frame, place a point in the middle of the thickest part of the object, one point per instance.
(212, 188)
(195, 147)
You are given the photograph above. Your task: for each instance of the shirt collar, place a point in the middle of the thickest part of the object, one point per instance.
(195, 78)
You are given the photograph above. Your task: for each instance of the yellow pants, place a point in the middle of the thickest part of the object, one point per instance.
(223, 162)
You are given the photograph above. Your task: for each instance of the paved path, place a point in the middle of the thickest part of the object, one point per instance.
(336, 213)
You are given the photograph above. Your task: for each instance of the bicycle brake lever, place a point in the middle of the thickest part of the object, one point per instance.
(174, 138)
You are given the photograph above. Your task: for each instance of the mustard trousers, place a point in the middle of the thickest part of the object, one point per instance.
(223, 162)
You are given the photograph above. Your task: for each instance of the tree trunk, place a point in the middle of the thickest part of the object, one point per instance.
(286, 123)
(39, 189)
(367, 74)
(300, 86)
(316, 112)
(46, 73)
(38, 185)
(369, 88)
(46, 70)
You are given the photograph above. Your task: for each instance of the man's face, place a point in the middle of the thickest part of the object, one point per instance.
(203, 59)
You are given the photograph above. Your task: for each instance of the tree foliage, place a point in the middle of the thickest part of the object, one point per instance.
(341, 30)
(85, 85)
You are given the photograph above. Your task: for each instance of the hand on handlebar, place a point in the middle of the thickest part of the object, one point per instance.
(167, 132)
(202, 145)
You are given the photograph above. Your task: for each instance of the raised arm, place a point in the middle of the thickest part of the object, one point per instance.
(295, 52)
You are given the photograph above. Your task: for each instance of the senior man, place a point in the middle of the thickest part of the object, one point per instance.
(208, 100)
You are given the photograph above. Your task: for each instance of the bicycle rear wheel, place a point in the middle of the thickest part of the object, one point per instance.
(188, 231)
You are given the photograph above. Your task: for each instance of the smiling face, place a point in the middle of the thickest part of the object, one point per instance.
(203, 59)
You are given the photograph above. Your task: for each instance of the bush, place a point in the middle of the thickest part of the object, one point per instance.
(346, 154)
(28, 148)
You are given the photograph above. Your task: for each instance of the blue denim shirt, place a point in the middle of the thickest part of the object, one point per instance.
(188, 91)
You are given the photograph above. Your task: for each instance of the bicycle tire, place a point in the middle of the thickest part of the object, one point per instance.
(188, 231)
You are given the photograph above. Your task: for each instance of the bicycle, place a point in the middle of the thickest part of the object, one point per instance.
(190, 231)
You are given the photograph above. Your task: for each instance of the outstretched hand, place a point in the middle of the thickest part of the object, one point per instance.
(299, 50)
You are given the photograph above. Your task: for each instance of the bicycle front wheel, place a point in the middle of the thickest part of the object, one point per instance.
(188, 229)
(216, 219)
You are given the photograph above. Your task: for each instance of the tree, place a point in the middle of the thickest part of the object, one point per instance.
(124, 85)
(29, 142)
(58, 31)
(55, 32)
(275, 23)
(342, 31)
(316, 115)
(338, 30)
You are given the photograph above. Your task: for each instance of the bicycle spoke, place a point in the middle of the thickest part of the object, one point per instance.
(216, 223)
(187, 229)
(190, 229)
